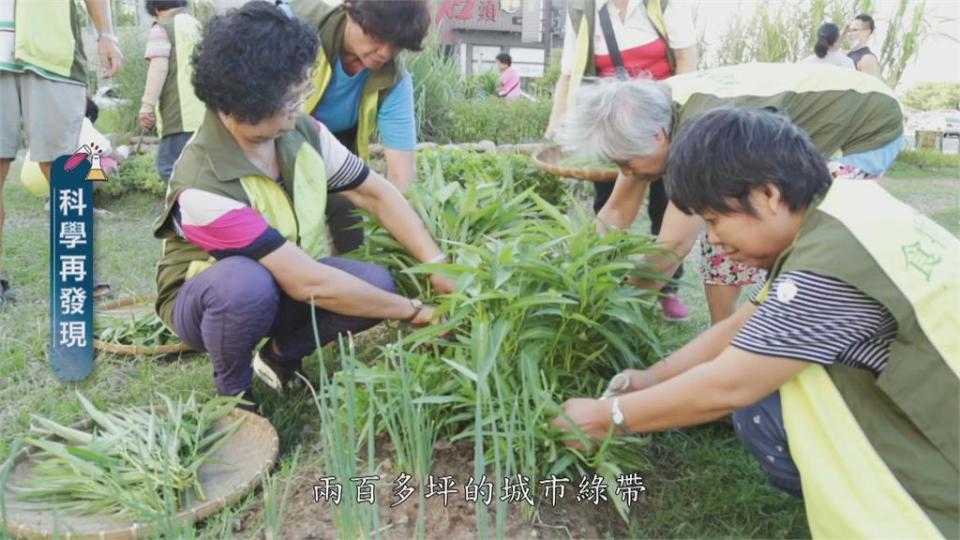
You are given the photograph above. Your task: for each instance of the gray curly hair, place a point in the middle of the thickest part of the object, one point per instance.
(617, 120)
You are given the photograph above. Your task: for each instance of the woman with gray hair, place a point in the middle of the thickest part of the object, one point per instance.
(632, 123)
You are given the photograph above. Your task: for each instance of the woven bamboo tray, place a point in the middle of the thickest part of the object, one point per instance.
(234, 470)
(550, 159)
(134, 304)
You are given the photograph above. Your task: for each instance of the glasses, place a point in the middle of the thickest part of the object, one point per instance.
(296, 103)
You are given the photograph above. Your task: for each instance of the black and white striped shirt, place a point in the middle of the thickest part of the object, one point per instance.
(812, 317)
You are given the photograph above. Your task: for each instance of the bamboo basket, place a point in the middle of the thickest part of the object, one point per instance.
(134, 304)
(549, 159)
(235, 469)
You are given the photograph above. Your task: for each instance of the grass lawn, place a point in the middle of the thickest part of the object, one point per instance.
(701, 482)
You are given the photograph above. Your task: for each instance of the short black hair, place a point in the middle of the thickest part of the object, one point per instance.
(248, 59)
(868, 20)
(505, 58)
(153, 6)
(93, 111)
(720, 155)
(400, 23)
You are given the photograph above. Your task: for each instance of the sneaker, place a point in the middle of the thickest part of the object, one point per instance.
(673, 308)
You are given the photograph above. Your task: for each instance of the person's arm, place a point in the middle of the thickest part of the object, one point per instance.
(735, 379)
(686, 59)
(868, 64)
(681, 36)
(305, 279)
(559, 106)
(387, 205)
(156, 74)
(704, 347)
(398, 130)
(678, 235)
(560, 92)
(108, 46)
(401, 167)
(624, 203)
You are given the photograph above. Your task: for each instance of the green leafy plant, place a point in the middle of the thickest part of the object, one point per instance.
(137, 173)
(135, 328)
(139, 463)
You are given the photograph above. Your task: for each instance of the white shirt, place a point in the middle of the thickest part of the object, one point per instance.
(835, 58)
(635, 31)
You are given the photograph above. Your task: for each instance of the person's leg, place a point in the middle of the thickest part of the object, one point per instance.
(10, 121)
(52, 117)
(168, 152)
(226, 310)
(722, 280)
(292, 336)
(721, 300)
(343, 223)
(673, 307)
(760, 428)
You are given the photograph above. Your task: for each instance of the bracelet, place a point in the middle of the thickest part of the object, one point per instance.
(111, 36)
(442, 257)
(417, 306)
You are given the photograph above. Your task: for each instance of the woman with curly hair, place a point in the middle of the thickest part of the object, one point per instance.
(244, 231)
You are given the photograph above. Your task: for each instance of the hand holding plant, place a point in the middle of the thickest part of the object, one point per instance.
(442, 284)
(424, 317)
(592, 416)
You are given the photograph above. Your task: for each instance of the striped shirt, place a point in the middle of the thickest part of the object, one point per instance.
(224, 227)
(820, 319)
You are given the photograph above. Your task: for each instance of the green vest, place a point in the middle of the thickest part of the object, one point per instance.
(179, 109)
(839, 109)
(331, 21)
(878, 456)
(213, 162)
(583, 15)
(48, 40)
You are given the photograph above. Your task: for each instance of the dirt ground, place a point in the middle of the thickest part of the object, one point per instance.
(306, 519)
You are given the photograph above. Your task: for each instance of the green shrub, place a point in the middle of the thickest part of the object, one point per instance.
(503, 121)
(436, 86)
(138, 173)
(128, 84)
(929, 159)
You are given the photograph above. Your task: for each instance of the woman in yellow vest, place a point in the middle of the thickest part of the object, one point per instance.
(359, 86)
(245, 246)
(169, 102)
(842, 374)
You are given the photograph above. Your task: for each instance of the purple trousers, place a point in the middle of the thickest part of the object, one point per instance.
(228, 308)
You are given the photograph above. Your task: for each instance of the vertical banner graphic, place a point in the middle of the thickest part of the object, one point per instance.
(71, 267)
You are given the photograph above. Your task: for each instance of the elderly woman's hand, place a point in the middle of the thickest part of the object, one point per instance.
(442, 284)
(424, 317)
(592, 416)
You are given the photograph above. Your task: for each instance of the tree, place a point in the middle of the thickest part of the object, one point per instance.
(933, 96)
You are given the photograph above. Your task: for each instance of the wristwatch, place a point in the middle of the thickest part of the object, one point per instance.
(617, 415)
(111, 36)
(417, 305)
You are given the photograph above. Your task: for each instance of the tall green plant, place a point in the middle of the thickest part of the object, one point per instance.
(787, 32)
(437, 86)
